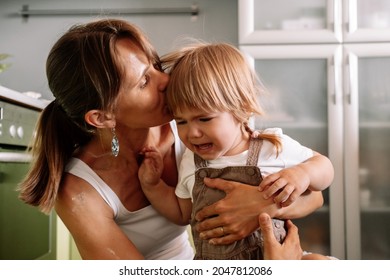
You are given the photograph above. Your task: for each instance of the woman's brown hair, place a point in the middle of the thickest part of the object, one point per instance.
(83, 75)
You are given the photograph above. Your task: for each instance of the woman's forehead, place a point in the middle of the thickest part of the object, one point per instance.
(132, 60)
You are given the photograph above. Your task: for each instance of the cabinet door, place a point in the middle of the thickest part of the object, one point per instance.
(25, 232)
(366, 20)
(303, 21)
(304, 98)
(367, 150)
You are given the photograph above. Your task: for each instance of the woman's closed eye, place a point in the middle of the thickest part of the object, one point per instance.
(157, 65)
(145, 81)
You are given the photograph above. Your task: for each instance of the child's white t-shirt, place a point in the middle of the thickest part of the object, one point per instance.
(292, 153)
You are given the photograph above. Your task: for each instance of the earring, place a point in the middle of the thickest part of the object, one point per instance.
(114, 143)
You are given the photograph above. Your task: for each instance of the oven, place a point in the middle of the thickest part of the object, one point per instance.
(25, 232)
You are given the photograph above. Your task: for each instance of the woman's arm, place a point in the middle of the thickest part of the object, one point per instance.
(238, 211)
(91, 223)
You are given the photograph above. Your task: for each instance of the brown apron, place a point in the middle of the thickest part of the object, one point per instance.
(249, 248)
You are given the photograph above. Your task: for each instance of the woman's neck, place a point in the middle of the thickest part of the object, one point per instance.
(130, 142)
(98, 150)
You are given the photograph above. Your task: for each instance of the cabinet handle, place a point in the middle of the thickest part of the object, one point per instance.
(334, 9)
(351, 90)
(351, 16)
(332, 82)
(334, 74)
(348, 81)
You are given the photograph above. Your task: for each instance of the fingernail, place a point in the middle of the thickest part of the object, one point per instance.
(264, 218)
(201, 235)
(212, 242)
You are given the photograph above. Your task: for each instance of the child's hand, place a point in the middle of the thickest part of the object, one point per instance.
(286, 185)
(151, 168)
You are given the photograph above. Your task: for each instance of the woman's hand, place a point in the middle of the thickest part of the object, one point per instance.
(290, 249)
(236, 215)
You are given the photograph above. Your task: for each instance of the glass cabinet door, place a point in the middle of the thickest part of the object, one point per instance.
(303, 21)
(367, 116)
(366, 20)
(304, 99)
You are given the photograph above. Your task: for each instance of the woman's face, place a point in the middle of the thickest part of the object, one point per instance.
(141, 100)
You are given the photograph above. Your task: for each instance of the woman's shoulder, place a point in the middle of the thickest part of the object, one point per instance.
(76, 196)
(74, 188)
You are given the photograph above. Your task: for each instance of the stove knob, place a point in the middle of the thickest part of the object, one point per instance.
(20, 132)
(12, 131)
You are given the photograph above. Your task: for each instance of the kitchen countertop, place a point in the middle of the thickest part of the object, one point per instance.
(21, 99)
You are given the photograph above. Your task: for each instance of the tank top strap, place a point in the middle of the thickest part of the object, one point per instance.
(254, 151)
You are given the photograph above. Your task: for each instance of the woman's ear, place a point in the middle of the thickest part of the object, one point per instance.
(100, 119)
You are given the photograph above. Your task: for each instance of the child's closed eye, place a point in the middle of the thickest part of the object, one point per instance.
(205, 119)
(180, 122)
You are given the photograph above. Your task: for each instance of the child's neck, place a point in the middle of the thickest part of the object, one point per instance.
(242, 145)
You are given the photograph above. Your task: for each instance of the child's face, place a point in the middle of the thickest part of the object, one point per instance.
(211, 134)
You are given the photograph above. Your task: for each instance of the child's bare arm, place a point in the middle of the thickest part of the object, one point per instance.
(160, 195)
(287, 185)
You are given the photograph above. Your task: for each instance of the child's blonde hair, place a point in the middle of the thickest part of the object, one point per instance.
(214, 78)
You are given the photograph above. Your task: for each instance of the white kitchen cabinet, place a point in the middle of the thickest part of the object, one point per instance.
(326, 67)
(367, 150)
(313, 21)
(336, 100)
(304, 98)
(366, 20)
